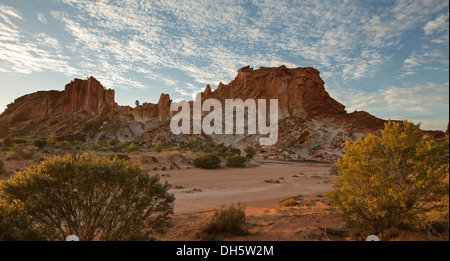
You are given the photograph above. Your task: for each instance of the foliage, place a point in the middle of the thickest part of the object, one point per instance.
(63, 144)
(133, 147)
(207, 161)
(2, 167)
(226, 220)
(158, 147)
(290, 202)
(233, 151)
(39, 143)
(250, 152)
(15, 225)
(386, 181)
(119, 156)
(19, 153)
(19, 141)
(236, 161)
(91, 197)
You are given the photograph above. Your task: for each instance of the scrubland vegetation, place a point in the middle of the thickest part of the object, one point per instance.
(386, 184)
(394, 182)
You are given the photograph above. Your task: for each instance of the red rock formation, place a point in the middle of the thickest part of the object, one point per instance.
(164, 107)
(300, 91)
(310, 120)
(79, 95)
(88, 95)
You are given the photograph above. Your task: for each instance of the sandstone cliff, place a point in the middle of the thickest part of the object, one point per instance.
(311, 122)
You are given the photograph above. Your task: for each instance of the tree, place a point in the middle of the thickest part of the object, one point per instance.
(386, 181)
(137, 103)
(90, 197)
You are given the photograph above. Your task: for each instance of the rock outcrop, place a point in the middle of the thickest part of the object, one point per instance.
(311, 123)
(300, 91)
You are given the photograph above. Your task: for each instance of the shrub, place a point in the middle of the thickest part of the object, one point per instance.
(120, 157)
(15, 225)
(90, 197)
(40, 143)
(234, 151)
(290, 202)
(226, 221)
(52, 141)
(19, 153)
(63, 144)
(207, 161)
(133, 147)
(158, 147)
(385, 181)
(236, 161)
(250, 152)
(19, 141)
(118, 146)
(172, 155)
(2, 167)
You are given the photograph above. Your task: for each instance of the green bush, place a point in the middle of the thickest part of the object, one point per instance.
(120, 157)
(19, 141)
(207, 161)
(234, 151)
(385, 182)
(226, 221)
(250, 152)
(40, 143)
(2, 167)
(133, 147)
(158, 147)
(87, 196)
(236, 161)
(19, 153)
(63, 144)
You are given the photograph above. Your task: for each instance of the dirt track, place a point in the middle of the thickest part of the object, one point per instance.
(260, 186)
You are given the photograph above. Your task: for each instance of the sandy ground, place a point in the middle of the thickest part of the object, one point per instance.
(260, 186)
(198, 192)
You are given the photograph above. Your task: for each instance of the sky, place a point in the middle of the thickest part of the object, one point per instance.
(389, 58)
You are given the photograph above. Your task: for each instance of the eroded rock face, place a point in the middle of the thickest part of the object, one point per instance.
(79, 96)
(300, 91)
(311, 123)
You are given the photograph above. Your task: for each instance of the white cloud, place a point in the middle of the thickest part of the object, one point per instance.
(419, 98)
(41, 18)
(19, 54)
(436, 26)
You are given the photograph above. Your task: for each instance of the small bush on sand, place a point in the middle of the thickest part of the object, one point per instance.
(158, 147)
(236, 161)
(133, 147)
(2, 167)
(290, 202)
(207, 161)
(91, 197)
(226, 221)
(19, 141)
(17, 153)
(39, 143)
(63, 144)
(250, 152)
(120, 157)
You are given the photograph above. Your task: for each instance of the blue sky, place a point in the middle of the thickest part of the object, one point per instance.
(390, 58)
